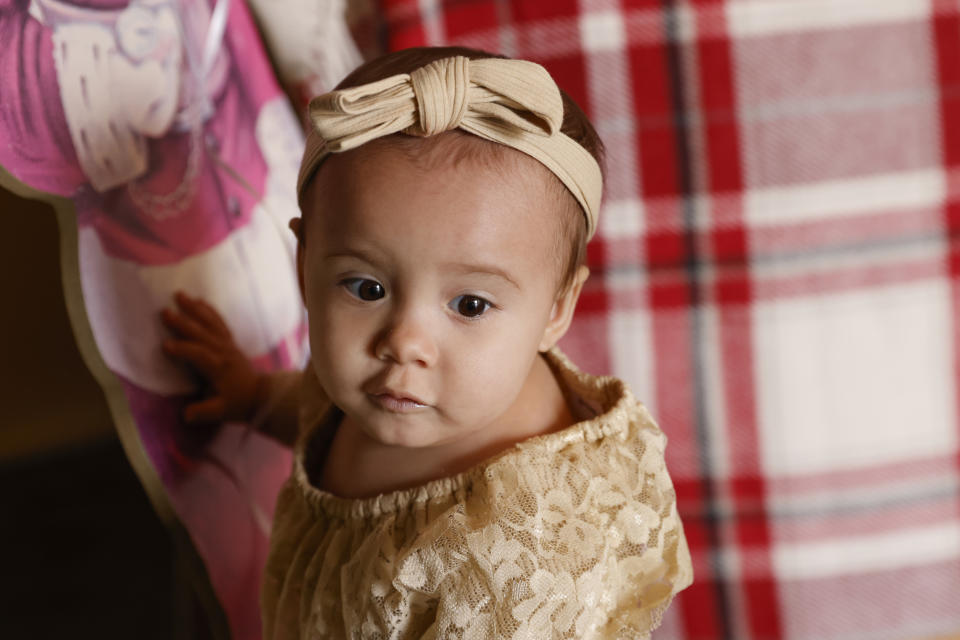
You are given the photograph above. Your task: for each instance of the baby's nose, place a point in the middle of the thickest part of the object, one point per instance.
(407, 341)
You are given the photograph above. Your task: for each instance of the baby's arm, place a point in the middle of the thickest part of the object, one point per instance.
(237, 391)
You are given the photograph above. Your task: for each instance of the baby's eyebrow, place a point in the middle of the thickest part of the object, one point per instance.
(482, 269)
(350, 253)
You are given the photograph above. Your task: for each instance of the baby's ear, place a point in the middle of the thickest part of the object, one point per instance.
(562, 313)
(294, 225)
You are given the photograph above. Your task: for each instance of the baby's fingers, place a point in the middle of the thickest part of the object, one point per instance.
(185, 326)
(201, 358)
(203, 312)
(209, 410)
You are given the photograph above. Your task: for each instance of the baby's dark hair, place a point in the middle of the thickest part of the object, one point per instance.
(571, 244)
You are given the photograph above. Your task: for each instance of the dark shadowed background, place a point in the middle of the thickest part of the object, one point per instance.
(83, 554)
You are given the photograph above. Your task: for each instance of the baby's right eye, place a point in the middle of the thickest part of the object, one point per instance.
(364, 288)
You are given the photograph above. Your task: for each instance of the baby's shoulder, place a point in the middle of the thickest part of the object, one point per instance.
(564, 518)
(573, 478)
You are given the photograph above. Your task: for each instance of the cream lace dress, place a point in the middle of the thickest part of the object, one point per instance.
(572, 534)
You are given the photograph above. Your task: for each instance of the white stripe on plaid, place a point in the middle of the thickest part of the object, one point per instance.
(850, 402)
(622, 218)
(602, 31)
(432, 15)
(827, 200)
(870, 553)
(747, 18)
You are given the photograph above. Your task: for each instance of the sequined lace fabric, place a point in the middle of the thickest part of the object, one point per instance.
(573, 534)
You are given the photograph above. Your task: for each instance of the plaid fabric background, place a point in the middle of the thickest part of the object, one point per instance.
(777, 274)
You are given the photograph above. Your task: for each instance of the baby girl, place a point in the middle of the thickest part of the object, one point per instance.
(455, 476)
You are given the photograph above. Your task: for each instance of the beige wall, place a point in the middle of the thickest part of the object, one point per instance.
(48, 398)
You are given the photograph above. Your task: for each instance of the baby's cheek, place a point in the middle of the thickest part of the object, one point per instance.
(340, 324)
(332, 342)
(493, 378)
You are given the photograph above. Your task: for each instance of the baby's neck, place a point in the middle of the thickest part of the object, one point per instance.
(359, 467)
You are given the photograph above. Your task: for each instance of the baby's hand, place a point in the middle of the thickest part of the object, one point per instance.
(204, 342)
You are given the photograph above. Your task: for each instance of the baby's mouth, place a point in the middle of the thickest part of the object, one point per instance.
(397, 401)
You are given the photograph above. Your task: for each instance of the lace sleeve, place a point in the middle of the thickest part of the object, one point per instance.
(587, 544)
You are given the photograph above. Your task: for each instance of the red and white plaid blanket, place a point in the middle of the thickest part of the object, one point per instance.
(777, 274)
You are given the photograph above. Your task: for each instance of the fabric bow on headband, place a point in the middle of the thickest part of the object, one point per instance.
(511, 102)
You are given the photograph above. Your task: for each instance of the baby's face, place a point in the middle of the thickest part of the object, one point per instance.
(430, 290)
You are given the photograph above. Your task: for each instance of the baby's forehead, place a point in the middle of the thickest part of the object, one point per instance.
(464, 151)
(486, 163)
(484, 186)
(452, 155)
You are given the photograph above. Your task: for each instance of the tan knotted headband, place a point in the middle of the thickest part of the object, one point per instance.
(512, 102)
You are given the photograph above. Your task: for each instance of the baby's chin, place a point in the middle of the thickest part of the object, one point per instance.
(410, 431)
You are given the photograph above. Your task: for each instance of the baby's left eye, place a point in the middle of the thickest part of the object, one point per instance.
(364, 288)
(470, 306)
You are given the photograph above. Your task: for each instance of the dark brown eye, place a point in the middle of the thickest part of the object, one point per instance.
(470, 306)
(365, 289)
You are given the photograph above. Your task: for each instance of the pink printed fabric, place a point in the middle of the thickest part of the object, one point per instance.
(777, 276)
(207, 216)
